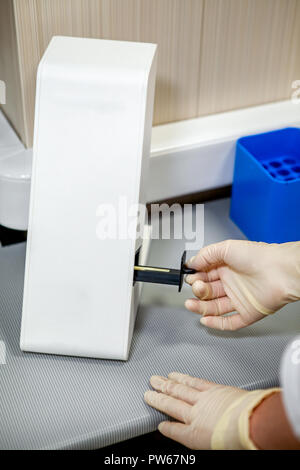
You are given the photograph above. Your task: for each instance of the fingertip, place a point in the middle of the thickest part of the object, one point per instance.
(162, 426)
(190, 304)
(156, 381)
(189, 263)
(177, 376)
(154, 377)
(152, 380)
(223, 323)
(173, 375)
(200, 289)
(148, 395)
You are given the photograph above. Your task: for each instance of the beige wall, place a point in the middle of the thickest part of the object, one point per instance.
(9, 67)
(214, 55)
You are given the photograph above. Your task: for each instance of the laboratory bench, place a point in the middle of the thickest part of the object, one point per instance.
(60, 402)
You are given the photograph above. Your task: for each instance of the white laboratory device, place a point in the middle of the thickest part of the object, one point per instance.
(93, 121)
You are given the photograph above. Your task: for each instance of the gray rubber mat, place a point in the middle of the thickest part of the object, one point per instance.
(66, 402)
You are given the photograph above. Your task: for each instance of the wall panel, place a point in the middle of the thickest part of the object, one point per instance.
(214, 55)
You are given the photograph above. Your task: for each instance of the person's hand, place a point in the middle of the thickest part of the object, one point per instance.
(253, 279)
(207, 415)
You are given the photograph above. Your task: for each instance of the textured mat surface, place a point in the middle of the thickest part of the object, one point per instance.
(65, 402)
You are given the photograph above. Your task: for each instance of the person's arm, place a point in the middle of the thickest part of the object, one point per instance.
(208, 415)
(249, 278)
(269, 426)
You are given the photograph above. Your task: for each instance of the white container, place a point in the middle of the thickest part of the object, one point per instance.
(93, 122)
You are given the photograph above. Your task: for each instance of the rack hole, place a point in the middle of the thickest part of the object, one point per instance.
(283, 172)
(296, 169)
(275, 164)
(289, 161)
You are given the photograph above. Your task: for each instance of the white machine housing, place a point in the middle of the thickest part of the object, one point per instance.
(93, 121)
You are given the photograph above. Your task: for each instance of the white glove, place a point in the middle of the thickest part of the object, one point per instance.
(253, 279)
(209, 416)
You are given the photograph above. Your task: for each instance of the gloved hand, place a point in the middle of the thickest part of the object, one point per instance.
(253, 279)
(210, 416)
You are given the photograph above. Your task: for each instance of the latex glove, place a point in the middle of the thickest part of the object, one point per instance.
(253, 279)
(209, 416)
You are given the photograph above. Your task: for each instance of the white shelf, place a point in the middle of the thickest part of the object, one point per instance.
(198, 154)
